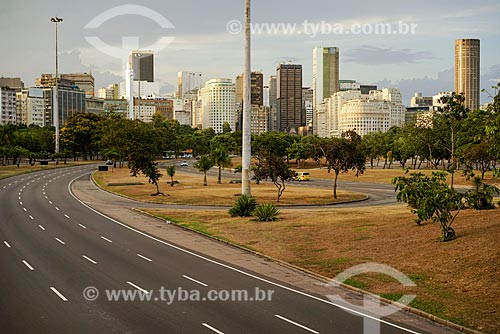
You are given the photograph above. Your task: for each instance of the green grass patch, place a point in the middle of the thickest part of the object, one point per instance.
(355, 283)
(362, 238)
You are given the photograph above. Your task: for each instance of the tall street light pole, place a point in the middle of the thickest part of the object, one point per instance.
(247, 135)
(55, 103)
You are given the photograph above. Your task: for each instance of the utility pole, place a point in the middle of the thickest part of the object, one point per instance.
(247, 135)
(55, 97)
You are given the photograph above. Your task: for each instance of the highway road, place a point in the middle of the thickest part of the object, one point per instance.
(53, 247)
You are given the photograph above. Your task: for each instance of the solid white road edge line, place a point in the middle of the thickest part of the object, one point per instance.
(235, 269)
(296, 324)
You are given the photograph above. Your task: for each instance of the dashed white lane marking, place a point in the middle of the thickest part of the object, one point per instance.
(296, 324)
(28, 265)
(82, 226)
(65, 215)
(104, 238)
(89, 259)
(57, 208)
(60, 241)
(213, 329)
(41, 227)
(137, 287)
(193, 280)
(25, 210)
(7, 244)
(50, 202)
(145, 258)
(20, 203)
(60, 295)
(31, 217)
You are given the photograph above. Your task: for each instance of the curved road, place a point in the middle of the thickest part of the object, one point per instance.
(53, 247)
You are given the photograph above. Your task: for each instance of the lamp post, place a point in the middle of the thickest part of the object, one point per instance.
(247, 135)
(55, 100)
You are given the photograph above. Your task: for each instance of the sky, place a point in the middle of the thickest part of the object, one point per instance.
(203, 36)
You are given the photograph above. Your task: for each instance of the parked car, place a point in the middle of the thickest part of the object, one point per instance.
(109, 162)
(184, 164)
(301, 176)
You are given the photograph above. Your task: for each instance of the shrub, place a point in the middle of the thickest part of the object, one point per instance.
(243, 207)
(266, 212)
(481, 198)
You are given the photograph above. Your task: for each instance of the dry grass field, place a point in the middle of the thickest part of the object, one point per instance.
(190, 190)
(456, 280)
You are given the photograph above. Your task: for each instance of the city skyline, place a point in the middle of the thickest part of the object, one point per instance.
(420, 62)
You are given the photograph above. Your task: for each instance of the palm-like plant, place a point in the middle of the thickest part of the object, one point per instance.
(221, 158)
(204, 165)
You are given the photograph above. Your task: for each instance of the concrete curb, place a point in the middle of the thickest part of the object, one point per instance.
(309, 273)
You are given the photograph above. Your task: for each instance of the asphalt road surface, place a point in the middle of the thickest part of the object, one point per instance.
(53, 248)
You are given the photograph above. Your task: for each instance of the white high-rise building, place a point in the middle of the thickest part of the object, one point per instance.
(148, 89)
(217, 104)
(8, 110)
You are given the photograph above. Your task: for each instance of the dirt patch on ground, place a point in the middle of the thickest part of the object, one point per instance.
(457, 280)
(190, 190)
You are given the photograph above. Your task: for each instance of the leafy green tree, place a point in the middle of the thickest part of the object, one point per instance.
(221, 159)
(344, 154)
(454, 112)
(80, 135)
(270, 150)
(204, 165)
(171, 173)
(431, 199)
(143, 163)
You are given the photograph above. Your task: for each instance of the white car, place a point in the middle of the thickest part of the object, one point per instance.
(184, 164)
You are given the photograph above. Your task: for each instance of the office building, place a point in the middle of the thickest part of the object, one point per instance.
(30, 105)
(289, 97)
(467, 71)
(188, 81)
(84, 81)
(325, 73)
(307, 105)
(13, 83)
(217, 104)
(420, 101)
(256, 101)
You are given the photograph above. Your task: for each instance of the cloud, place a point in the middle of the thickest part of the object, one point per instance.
(372, 55)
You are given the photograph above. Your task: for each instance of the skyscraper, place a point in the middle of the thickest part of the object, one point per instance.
(217, 104)
(289, 97)
(467, 70)
(273, 104)
(325, 74)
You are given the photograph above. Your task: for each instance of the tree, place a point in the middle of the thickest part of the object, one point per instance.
(204, 165)
(431, 199)
(221, 159)
(146, 165)
(171, 173)
(344, 154)
(80, 135)
(454, 111)
(270, 150)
